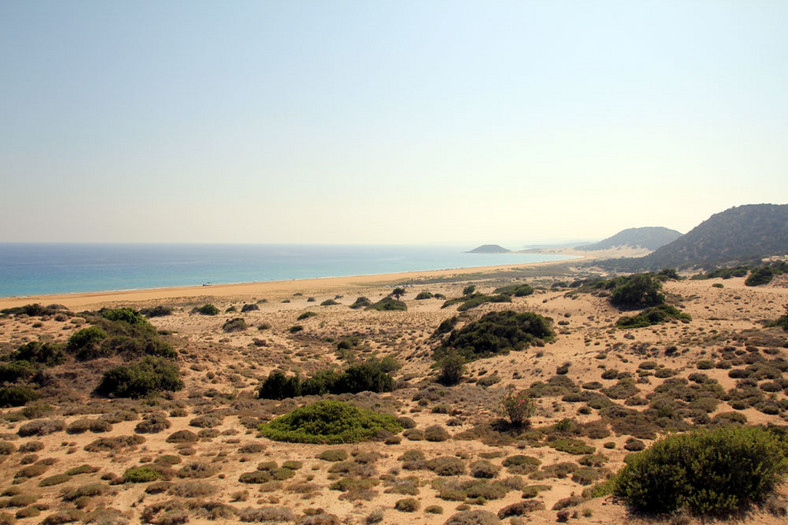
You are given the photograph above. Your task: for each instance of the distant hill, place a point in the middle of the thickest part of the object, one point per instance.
(650, 238)
(740, 234)
(489, 248)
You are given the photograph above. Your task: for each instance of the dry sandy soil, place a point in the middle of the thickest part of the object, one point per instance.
(222, 372)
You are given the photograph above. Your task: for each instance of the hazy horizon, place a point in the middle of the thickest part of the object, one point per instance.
(410, 123)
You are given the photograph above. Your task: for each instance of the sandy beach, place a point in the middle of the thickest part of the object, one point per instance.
(222, 369)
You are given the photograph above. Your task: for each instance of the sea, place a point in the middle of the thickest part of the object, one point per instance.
(41, 269)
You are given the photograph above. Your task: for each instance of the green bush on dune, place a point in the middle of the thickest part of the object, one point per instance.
(497, 332)
(140, 379)
(637, 291)
(651, 316)
(372, 375)
(329, 422)
(706, 472)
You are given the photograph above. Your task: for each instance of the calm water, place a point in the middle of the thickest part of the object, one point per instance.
(35, 269)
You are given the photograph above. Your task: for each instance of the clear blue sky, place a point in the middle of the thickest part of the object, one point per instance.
(386, 122)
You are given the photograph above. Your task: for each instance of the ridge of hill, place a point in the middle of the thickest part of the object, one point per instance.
(650, 237)
(740, 234)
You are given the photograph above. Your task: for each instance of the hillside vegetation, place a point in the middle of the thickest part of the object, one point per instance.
(742, 234)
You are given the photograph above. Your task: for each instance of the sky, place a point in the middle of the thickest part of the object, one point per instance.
(386, 122)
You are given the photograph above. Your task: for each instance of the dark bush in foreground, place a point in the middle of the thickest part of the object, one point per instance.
(497, 332)
(329, 422)
(637, 291)
(16, 396)
(388, 304)
(151, 375)
(651, 316)
(710, 472)
(424, 295)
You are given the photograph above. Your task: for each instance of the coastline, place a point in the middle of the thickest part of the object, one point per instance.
(267, 289)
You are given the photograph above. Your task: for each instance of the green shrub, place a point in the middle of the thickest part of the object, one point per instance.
(651, 316)
(467, 302)
(49, 354)
(371, 376)
(707, 472)
(637, 291)
(14, 371)
(329, 422)
(759, 276)
(237, 324)
(497, 332)
(517, 290)
(424, 295)
(306, 315)
(156, 311)
(85, 342)
(446, 326)
(279, 386)
(518, 407)
(407, 505)
(126, 315)
(329, 302)
(361, 302)
(148, 376)
(16, 396)
(207, 309)
(141, 475)
(295, 329)
(452, 368)
(249, 308)
(388, 304)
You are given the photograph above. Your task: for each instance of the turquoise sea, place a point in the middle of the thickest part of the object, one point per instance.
(37, 269)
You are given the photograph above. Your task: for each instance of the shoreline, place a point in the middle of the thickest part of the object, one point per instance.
(249, 289)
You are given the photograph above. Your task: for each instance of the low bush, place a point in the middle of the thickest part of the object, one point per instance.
(370, 376)
(388, 304)
(517, 290)
(237, 324)
(707, 472)
(49, 354)
(518, 407)
(424, 295)
(141, 475)
(329, 422)
(652, 316)
(497, 332)
(446, 466)
(16, 396)
(361, 302)
(306, 315)
(148, 376)
(637, 291)
(85, 343)
(156, 311)
(759, 276)
(207, 309)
